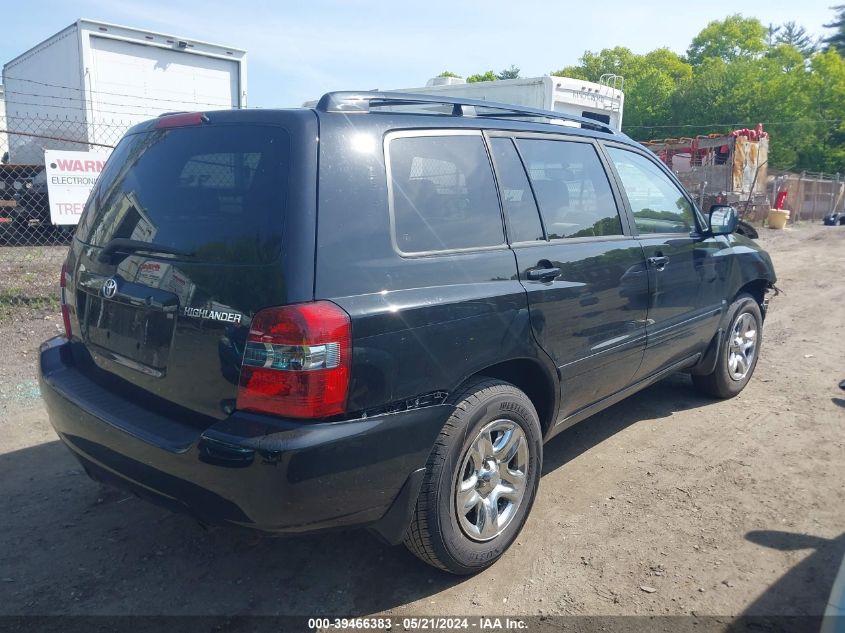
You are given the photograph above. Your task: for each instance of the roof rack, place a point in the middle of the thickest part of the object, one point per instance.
(360, 102)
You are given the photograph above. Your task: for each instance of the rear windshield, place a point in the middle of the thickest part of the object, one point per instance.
(216, 192)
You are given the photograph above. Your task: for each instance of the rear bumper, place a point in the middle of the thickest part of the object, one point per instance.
(255, 471)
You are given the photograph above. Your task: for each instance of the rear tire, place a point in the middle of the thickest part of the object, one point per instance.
(487, 458)
(738, 353)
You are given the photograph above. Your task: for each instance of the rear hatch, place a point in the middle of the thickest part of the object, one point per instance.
(186, 236)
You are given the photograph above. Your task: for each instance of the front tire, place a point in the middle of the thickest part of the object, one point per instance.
(481, 479)
(738, 353)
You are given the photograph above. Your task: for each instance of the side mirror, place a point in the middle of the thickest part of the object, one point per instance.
(723, 219)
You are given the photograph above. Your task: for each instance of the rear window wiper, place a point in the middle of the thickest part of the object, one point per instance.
(123, 246)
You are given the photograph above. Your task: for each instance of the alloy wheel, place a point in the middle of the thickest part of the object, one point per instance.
(492, 480)
(742, 346)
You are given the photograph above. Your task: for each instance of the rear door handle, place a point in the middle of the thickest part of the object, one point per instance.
(543, 274)
(658, 262)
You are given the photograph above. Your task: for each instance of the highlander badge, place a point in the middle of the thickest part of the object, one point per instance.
(214, 315)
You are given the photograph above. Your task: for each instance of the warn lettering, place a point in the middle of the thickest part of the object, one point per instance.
(214, 315)
(65, 164)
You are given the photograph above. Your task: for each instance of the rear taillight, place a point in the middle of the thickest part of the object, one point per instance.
(297, 361)
(63, 296)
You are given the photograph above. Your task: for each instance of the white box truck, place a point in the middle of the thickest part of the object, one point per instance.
(105, 78)
(603, 101)
(4, 143)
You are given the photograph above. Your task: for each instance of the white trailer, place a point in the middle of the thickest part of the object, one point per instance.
(4, 142)
(603, 101)
(106, 78)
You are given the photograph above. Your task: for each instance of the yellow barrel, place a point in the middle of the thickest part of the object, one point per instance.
(777, 218)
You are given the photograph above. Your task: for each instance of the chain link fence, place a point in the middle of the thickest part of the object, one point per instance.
(32, 248)
(809, 195)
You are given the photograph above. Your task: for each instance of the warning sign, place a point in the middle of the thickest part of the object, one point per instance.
(70, 178)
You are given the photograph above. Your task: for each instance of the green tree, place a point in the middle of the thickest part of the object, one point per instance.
(449, 73)
(737, 73)
(729, 39)
(773, 90)
(651, 80)
(836, 40)
(772, 32)
(509, 73)
(825, 147)
(591, 66)
(794, 35)
(488, 76)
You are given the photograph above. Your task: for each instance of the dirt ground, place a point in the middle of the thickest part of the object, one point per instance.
(725, 508)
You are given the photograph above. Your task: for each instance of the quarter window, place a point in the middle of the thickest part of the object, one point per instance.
(443, 194)
(657, 203)
(571, 187)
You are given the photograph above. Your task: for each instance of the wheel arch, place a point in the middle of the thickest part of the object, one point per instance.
(535, 380)
(756, 288)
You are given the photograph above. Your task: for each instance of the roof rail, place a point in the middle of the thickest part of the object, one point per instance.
(360, 102)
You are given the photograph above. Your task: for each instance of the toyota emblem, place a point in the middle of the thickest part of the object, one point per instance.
(109, 288)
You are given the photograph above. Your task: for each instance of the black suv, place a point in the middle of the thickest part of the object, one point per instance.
(374, 312)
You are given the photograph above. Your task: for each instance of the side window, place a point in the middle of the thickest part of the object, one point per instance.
(571, 188)
(657, 204)
(517, 199)
(443, 194)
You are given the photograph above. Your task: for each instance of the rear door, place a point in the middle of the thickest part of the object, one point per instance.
(164, 80)
(682, 316)
(183, 240)
(583, 271)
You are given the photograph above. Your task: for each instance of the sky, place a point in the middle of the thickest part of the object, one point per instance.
(299, 50)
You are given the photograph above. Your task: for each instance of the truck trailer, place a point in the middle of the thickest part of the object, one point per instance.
(84, 86)
(726, 168)
(603, 101)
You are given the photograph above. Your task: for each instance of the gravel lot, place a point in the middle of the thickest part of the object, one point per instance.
(723, 508)
(28, 279)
